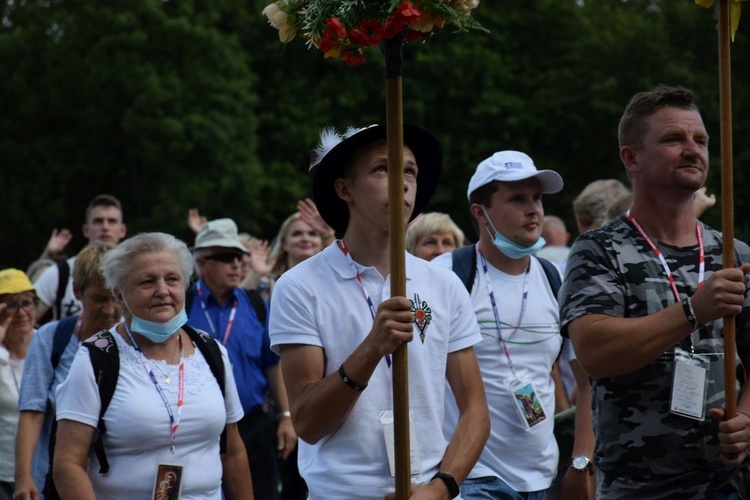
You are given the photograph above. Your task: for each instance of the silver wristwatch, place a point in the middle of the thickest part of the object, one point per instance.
(582, 464)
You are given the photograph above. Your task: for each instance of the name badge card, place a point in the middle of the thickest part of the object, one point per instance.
(168, 482)
(689, 385)
(386, 420)
(526, 400)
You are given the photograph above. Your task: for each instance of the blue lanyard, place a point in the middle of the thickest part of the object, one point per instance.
(498, 324)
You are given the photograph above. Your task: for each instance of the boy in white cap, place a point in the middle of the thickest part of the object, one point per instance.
(335, 328)
(513, 296)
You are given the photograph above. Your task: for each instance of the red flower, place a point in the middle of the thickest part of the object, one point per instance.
(419, 315)
(358, 37)
(335, 27)
(369, 33)
(404, 15)
(415, 36)
(352, 57)
(327, 43)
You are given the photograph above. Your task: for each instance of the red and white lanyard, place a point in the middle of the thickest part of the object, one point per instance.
(174, 421)
(667, 270)
(348, 257)
(498, 324)
(208, 318)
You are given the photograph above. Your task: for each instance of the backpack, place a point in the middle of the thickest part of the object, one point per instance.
(63, 275)
(55, 311)
(63, 333)
(465, 266)
(105, 361)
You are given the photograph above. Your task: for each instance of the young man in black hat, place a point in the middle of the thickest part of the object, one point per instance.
(335, 345)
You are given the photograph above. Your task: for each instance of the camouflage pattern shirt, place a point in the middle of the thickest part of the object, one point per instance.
(643, 450)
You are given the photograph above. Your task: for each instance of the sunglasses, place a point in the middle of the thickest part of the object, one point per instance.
(225, 257)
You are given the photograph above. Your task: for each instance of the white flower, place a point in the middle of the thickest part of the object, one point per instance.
(279, 20)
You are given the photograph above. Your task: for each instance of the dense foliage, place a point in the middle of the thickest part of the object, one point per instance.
(170, 105)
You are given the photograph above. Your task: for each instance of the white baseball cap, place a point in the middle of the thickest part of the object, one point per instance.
(511, 166)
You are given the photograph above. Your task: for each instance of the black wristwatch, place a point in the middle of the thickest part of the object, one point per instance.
(450, 483)
(582, 464)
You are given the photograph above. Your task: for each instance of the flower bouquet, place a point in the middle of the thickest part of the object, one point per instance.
(342, 28)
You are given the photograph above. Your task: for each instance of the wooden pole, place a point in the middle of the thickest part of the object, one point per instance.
(397, 249)
(727, 199)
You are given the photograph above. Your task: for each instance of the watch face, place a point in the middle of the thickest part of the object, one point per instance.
(580, 463)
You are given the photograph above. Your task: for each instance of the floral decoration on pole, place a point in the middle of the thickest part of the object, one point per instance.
(735, 9)
(342, 28)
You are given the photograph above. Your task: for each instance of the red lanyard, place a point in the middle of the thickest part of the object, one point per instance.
(174, 422)
(667, 270)
(348, 257)
(208, 318)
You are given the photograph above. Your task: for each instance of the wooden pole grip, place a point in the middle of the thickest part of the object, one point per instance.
(727, 198)
(397, 249)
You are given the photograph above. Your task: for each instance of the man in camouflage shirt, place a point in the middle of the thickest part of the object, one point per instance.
(631, 314)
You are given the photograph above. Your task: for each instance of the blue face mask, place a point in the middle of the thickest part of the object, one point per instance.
(154, 331)
(510, 249)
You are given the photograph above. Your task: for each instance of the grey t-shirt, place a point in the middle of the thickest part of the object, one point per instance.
(641, 448)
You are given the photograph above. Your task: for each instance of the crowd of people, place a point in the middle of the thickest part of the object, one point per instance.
(231, 367)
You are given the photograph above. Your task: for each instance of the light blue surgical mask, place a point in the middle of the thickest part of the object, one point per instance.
(507, 247)
(154, 331)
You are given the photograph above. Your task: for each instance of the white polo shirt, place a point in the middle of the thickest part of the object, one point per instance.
(319, 302)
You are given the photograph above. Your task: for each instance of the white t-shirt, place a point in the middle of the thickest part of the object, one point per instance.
(46, 289)
(319, 302)
(138, 433)
(525, 459)
(11, 371)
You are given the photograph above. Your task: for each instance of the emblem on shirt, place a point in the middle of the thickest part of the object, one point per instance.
(422, 315)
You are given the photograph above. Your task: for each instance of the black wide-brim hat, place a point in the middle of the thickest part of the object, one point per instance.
(427, 152)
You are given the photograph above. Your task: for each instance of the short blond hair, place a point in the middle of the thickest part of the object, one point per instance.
(431, 223)
(592, 205)
(87, 268)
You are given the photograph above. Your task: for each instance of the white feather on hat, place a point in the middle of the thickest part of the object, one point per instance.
(329, 139)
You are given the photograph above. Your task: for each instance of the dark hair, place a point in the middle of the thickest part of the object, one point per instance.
(633, 126)
(103, 200)
(483, 196)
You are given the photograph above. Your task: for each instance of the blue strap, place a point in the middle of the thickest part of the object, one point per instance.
(63, 332)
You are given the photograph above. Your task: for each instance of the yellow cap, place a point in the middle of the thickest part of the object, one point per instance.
(14, 281)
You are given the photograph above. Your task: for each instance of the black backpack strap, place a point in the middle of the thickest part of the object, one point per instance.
(210, 350)
(63, 274)
(63, 332)
(465, 265)
(553, 275)
(105, 360)
(259, 305)
(555, 282)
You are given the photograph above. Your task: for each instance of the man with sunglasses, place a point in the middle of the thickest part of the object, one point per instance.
(237, 318)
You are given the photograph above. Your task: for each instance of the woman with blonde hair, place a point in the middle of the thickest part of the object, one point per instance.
(48, 361)
(433, 234)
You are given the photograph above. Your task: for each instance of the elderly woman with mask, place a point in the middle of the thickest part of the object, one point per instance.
(167, 411)
(17, 306)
